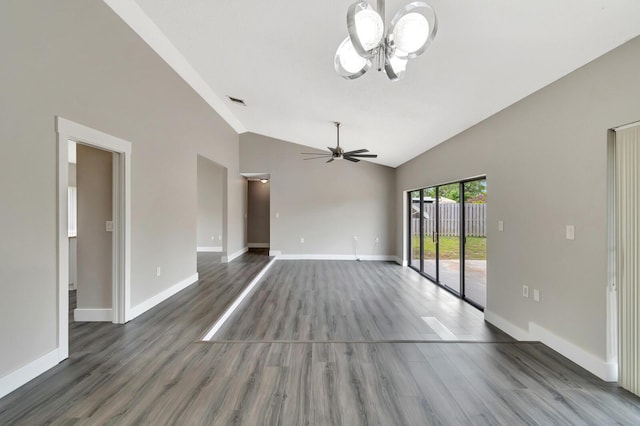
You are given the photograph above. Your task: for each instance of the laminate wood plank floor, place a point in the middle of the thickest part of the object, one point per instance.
(153, 371)
(353, 301)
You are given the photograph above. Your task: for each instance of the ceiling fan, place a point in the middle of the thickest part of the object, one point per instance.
(338, 153)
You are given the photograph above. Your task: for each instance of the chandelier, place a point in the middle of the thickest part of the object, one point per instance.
(411, 31)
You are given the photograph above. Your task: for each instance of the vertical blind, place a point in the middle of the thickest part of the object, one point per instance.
(627, 148)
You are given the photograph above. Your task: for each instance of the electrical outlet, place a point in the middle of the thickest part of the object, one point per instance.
(213, 238)
(220, 237)
(277, 215)
(158, 271)
(536, 295)
(109, 226)
(525, 291)
(500, 226)
(302, 240)
(377, 240)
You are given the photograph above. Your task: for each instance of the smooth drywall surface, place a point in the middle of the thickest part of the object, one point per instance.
(324, 204)
(258, 220)
(77, 59)
(546, 160)
(210, 203)
(95, 196)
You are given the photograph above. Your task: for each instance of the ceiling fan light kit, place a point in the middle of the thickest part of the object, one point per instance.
(410, 33)
(338, 153)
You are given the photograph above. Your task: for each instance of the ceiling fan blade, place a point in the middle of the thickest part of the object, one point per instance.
(355, 160)
(330, 160)
(357, 151)
(362, 155)
(315, 158)
(333, 150)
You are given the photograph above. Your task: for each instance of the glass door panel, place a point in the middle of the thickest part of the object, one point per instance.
(414, 229)
(475, 248)
(448, 236)
(430, 232)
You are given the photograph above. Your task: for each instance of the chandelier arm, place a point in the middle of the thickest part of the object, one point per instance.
(381, 12)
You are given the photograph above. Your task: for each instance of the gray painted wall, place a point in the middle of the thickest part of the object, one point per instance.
(545, 159)
(258, 212)
(79, 60)
(211, 179)
(326, 204)
(94, 243)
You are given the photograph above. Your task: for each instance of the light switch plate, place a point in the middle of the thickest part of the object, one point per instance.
(525, 291)
(500, 226)
(109, 226)
(571, 232)
(536, 295)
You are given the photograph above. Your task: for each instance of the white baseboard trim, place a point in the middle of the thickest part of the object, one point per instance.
(93, 315)
(258, 245)
(506, 326)
(28, 372)
(213, 330)
(400, 262)
(229, 258)
(210, 249)
(275, 253)
(160, 297)
(607, 371)
(373, 257)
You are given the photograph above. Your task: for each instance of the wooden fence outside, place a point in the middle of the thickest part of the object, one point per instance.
(475, 220)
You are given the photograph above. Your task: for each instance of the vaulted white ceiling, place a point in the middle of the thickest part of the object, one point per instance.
(277, 55)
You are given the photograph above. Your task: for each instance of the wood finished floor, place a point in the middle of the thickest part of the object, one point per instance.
(153, 371)
(353, 301)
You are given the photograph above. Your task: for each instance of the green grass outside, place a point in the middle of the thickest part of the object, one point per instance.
(476, 248)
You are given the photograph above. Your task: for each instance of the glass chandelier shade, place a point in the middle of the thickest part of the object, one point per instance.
(349, 64)
(411, 31)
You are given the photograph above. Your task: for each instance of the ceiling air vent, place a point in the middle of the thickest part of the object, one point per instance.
(236, 100)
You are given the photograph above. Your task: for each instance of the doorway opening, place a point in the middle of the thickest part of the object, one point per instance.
(118, 151)
(258, 214)
(211, 223)
(447, 237)
(90, 214)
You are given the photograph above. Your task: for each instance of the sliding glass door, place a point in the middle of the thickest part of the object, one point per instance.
(415, 231)
(448, 237)
(475, 241)
(430, 237)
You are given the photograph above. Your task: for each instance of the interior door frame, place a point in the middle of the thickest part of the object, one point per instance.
(68, 130)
